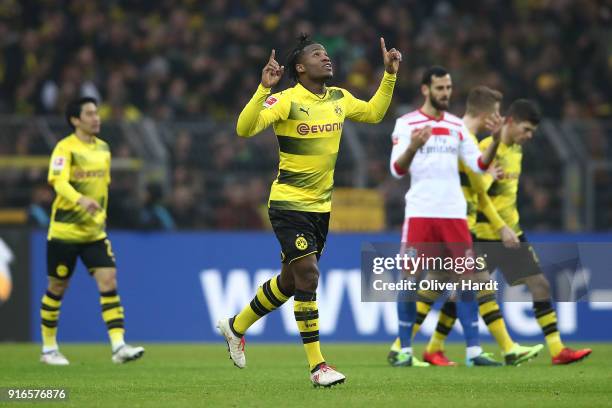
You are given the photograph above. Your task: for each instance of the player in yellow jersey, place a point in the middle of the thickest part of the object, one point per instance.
(519, 265)
(79, 172)
(482, 101)
(308, 120)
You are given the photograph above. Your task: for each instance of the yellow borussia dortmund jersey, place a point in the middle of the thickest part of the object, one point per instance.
(503, 192)
(308, 128)
(78, 168)
(473, 186)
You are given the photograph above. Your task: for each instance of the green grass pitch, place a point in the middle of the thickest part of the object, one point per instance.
(190, 375)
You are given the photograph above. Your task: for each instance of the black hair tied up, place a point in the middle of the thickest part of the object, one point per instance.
(294, 55)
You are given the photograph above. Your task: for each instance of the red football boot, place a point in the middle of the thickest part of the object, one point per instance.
(438, 359)
(568, 356)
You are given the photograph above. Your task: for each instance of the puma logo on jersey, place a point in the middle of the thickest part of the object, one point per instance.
(305, 111)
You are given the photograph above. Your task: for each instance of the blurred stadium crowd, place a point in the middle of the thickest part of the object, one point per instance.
(183, 61)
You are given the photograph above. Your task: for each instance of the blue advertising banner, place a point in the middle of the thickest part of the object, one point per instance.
(175, 286)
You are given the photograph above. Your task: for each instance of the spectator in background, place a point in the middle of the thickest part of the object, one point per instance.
(239, 210)
(39, 210)
(183, 153)
(153, 213)
(185, 60)
(185, 210)
(174, 56)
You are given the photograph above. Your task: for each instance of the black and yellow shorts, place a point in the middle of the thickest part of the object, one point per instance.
(515, 264)
(62, 256)
(299, 233)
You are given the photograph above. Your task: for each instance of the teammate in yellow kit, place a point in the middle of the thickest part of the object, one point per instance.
(308, 120)
(519, 265)
(80, 174)
(482, 101)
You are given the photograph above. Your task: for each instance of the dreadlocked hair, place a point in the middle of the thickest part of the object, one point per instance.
(294, 56)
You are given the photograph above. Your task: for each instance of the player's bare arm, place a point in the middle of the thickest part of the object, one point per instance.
(250, 121)
(494, 124)
(418, 138)
(391, 58)
(272, 72)
(89, 204)
(508, 237)
(495, 171)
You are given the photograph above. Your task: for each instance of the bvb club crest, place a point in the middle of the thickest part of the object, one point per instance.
(301, 243)
(338, 110)
(62, 271)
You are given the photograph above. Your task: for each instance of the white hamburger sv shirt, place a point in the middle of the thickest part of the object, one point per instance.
(435, 187)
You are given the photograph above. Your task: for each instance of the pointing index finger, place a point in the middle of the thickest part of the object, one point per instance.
(272, 54)
(382, 44)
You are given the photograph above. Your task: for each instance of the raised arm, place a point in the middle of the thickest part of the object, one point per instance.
(479, 161)
(494, 124)
(373, 111)
(263, 109)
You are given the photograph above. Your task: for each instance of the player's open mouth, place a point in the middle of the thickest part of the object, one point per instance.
(328, 66)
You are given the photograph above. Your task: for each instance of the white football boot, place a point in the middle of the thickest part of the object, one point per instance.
(235, 344)
(127, 353)
(326, 376)
(54, 357)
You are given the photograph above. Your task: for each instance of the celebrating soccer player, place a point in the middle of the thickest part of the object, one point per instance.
(427, 143)
(481, 103)
(80, 174)
(307, 120)
(519, 265)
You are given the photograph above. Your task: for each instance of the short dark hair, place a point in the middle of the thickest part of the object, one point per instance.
(294, 55)
(481, 100)
(433, 71)
(524, 110)
(73, 110)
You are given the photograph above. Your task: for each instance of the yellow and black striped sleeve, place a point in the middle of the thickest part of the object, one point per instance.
(261, 111)
(372, 111)
(59, 174)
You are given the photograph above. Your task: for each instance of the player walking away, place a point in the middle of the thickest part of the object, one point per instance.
(428, 143)
(80, 174)
(307, 120)
(481, 103)
(519, 265)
